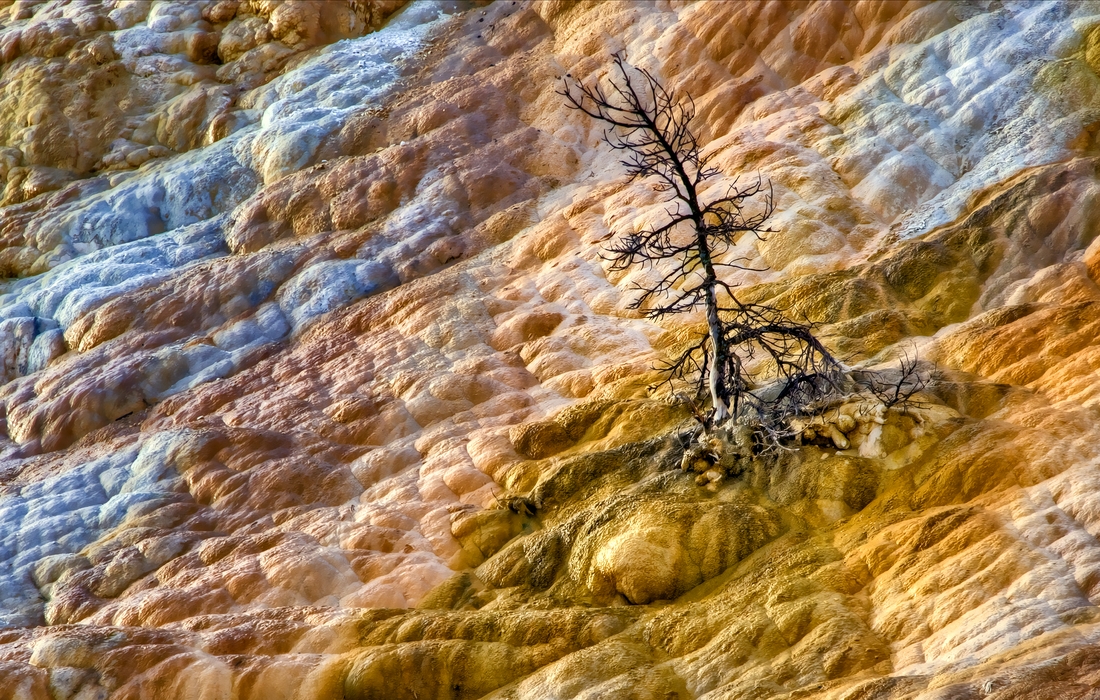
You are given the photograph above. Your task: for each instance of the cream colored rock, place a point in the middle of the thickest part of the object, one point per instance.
(643, 566)
(294, 344)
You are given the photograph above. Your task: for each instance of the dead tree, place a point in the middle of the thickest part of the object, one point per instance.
(756, 365)
(898, 386)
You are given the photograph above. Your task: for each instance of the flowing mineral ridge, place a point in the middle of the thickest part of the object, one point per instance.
(314, 384)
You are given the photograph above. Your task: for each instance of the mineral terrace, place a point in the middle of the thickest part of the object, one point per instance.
(314, 383)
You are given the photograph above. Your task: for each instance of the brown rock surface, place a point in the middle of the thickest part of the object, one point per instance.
(314, 384)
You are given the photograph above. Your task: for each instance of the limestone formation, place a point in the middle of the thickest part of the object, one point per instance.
(314, 382)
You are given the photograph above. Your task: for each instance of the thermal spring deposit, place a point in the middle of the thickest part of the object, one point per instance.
(549, 349)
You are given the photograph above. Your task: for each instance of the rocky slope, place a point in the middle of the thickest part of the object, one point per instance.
(313, 382)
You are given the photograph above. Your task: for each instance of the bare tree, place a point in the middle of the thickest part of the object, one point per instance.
(651, 127)
(898, 386)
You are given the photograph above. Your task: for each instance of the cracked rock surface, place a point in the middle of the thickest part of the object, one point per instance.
(314, 383)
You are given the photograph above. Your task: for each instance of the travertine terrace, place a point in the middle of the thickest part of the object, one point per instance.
(313, 382)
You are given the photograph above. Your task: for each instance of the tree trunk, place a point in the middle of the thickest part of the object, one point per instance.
(714, 370)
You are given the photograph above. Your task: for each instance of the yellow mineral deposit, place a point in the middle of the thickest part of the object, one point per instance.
(314, 383)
